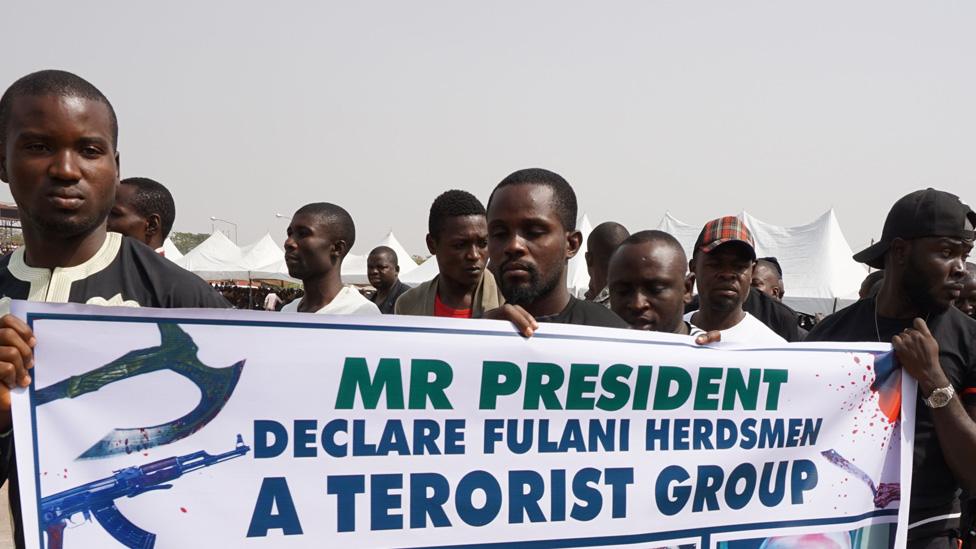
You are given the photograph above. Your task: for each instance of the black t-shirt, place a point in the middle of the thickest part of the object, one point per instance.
(585, 313)
(122, 272)
(386, 307)
(935, 490)
(774, 314)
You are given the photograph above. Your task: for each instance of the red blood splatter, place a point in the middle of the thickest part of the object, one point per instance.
(857, 360)
(183, 509)
(854, 432)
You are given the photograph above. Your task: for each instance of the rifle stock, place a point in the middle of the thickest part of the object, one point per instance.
(98, 497)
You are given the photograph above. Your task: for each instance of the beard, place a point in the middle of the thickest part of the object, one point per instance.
(918, 291)
(523, 294)
(65, 227)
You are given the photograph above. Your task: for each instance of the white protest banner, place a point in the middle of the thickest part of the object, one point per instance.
(180, 428)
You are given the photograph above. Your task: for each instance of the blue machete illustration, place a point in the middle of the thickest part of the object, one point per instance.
(177, 352)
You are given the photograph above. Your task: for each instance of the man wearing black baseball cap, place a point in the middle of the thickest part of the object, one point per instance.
(923, 248)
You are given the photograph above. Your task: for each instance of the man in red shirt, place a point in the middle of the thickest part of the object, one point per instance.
(458, 237)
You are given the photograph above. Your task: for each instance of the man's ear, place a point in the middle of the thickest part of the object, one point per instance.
(154, 224)
(3, 163)
(574, 240)
(397, 267)
(340, 248)
(899, 251)
(589, 259)
(431, 244)
(689, 288)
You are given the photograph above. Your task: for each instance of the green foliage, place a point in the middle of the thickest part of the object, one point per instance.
(187, 241)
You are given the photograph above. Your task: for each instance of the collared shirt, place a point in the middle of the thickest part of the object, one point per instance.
(347, 302)
(387, 305)
(603, 298)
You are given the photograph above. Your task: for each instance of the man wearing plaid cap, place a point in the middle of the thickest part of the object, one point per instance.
(722, 264)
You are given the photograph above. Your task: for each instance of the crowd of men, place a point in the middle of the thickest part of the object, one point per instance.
(504, 260)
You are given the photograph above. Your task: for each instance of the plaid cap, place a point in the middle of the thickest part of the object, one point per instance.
(722, 230)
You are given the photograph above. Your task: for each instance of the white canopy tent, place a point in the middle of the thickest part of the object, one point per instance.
(170, 251)
(577, 275)
(265, 260)
(819, 273)
(422, 273)
(354, 266)
(216, 258)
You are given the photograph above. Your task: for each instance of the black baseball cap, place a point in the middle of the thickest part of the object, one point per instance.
(920, 214)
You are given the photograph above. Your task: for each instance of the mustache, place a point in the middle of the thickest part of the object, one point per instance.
(515, 264)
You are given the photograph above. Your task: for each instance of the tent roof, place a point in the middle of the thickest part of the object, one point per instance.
(404, 258)
(216, 253)
(816, 258)
(424, 272)
(170, 251)
(577, 275)
(262, 252)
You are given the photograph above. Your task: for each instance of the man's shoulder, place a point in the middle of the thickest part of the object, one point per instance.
(595, 314)
(760, 331)
(351, 301)
(834, 327)
(175, 286)
(411, 302)
(962, 323)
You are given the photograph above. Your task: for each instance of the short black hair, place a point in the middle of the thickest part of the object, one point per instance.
(57, 83)
(562, 191)
(453, 203)
(151, 197)
(775, 263)
(336, 216)
(605, 237)
(655, 236)
(387, 251)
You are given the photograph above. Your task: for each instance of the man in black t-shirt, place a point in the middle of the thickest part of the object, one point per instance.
(58, 138)
(531, 237)
(926, 238)
(383, 271)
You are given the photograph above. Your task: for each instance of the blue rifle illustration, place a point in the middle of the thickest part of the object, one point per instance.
(176, 352)
(98, 497)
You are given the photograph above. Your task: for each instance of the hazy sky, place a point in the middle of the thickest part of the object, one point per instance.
(781, 108)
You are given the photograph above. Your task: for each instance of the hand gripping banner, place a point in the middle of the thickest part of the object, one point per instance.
(246, 429)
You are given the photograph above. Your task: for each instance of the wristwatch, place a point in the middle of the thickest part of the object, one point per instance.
(940, 397)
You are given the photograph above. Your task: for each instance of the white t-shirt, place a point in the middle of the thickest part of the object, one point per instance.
(347, 302)
(271, 301)
(749, 331)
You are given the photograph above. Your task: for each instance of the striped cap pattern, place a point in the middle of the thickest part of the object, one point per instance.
(722, 230)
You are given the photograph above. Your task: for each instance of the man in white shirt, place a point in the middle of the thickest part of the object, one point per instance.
(319, 237)
(722, 263)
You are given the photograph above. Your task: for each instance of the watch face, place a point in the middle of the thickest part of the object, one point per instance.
(939, 398)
